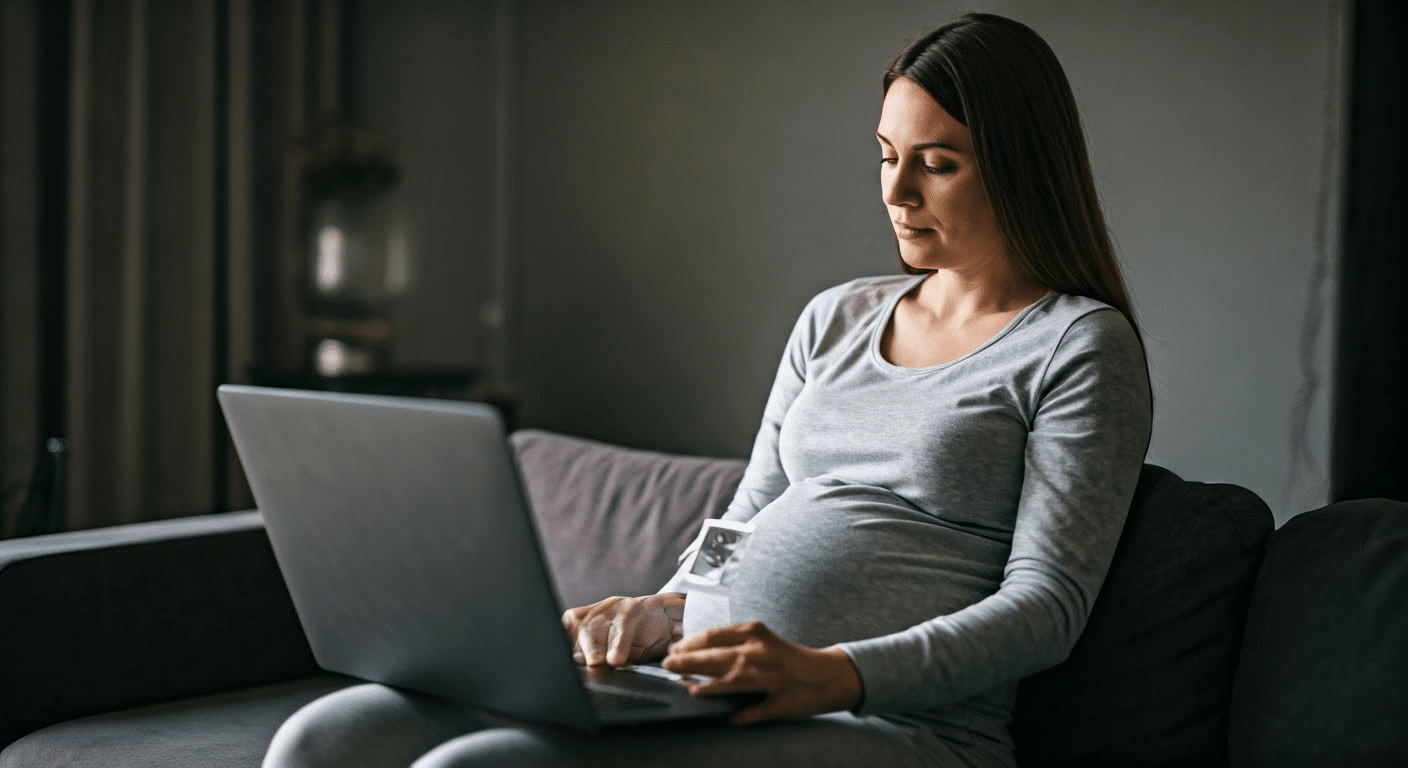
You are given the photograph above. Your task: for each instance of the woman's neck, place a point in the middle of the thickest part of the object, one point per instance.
(996, 287)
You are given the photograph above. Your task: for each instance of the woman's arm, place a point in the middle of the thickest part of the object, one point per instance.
(764, 479)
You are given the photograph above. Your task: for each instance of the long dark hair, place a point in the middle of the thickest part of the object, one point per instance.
(1000, 79)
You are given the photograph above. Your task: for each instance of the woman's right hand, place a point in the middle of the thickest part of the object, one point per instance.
(625, 630)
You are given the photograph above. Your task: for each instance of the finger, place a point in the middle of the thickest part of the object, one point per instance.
(727, 634)
(592, 639)
(744, 682)
(573, 618)
(618, 653)
(570, 620)
(570, 624)
(674, 609)
(714, 662)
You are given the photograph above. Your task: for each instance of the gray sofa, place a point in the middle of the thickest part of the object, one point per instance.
(1215, 641)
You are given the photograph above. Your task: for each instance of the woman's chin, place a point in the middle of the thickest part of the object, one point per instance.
(920, 260)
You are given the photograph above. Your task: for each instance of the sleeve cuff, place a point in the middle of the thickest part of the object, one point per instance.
(884, 672)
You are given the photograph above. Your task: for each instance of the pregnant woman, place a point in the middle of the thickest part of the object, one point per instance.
(942, 472)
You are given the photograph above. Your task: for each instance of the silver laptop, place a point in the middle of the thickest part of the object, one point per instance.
(412, 559)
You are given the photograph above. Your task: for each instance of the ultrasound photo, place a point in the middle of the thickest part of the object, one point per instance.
(718, 544)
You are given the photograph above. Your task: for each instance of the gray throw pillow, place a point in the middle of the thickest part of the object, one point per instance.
(613, 520)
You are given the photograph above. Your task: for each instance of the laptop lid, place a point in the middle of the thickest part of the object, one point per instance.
(405, 542)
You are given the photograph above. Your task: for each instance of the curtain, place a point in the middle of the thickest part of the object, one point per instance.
(19, 274)
(127, 269)
(1371, 411)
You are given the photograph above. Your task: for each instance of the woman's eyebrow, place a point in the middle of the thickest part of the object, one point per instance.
(924, 145)
(932, 144)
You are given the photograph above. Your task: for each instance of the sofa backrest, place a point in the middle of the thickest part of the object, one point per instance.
(613, 520)
(1149, 682)
(1324, 673)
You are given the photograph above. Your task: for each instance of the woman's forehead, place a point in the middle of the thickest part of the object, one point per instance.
(910, 118)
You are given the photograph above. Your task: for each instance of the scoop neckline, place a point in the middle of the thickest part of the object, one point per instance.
(887, 314)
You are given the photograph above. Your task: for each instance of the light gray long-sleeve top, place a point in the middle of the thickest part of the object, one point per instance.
(948, 526)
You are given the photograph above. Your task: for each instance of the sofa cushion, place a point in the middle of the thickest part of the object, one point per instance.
(613, 520)
(1324, 673)
(1149, 681)
(230, 730)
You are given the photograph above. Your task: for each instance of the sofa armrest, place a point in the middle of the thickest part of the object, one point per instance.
(101, 620)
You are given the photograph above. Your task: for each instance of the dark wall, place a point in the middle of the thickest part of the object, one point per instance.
(424, 80)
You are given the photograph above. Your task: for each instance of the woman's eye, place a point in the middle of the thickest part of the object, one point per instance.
(888, 160)
(940, 169)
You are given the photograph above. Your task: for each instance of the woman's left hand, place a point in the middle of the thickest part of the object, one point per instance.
(799, 681)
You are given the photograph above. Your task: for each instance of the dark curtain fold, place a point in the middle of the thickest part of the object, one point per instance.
(1371, 411)
(140, 261)
(155, 305)
(19, 275)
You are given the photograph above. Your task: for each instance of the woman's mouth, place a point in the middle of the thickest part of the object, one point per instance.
(908, 232)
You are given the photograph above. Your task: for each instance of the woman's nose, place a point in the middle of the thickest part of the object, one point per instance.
(897, 186)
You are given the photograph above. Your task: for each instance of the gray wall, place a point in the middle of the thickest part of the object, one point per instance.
(424, 84)
(689, 174)
(1215, 131)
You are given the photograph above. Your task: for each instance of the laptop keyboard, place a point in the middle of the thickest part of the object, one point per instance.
(611, 700)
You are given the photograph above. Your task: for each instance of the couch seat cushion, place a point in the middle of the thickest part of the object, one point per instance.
(229, 730)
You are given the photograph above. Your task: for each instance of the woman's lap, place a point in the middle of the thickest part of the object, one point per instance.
(825, 741)
(372, 726)
(366, 726)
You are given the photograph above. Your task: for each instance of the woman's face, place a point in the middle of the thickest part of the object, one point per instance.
(930, 184)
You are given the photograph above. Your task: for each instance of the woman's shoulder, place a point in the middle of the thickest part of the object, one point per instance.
(1066, 315)
(860, 295)
(1076, 330)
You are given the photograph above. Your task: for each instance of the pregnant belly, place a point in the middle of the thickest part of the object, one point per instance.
(831, 561)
